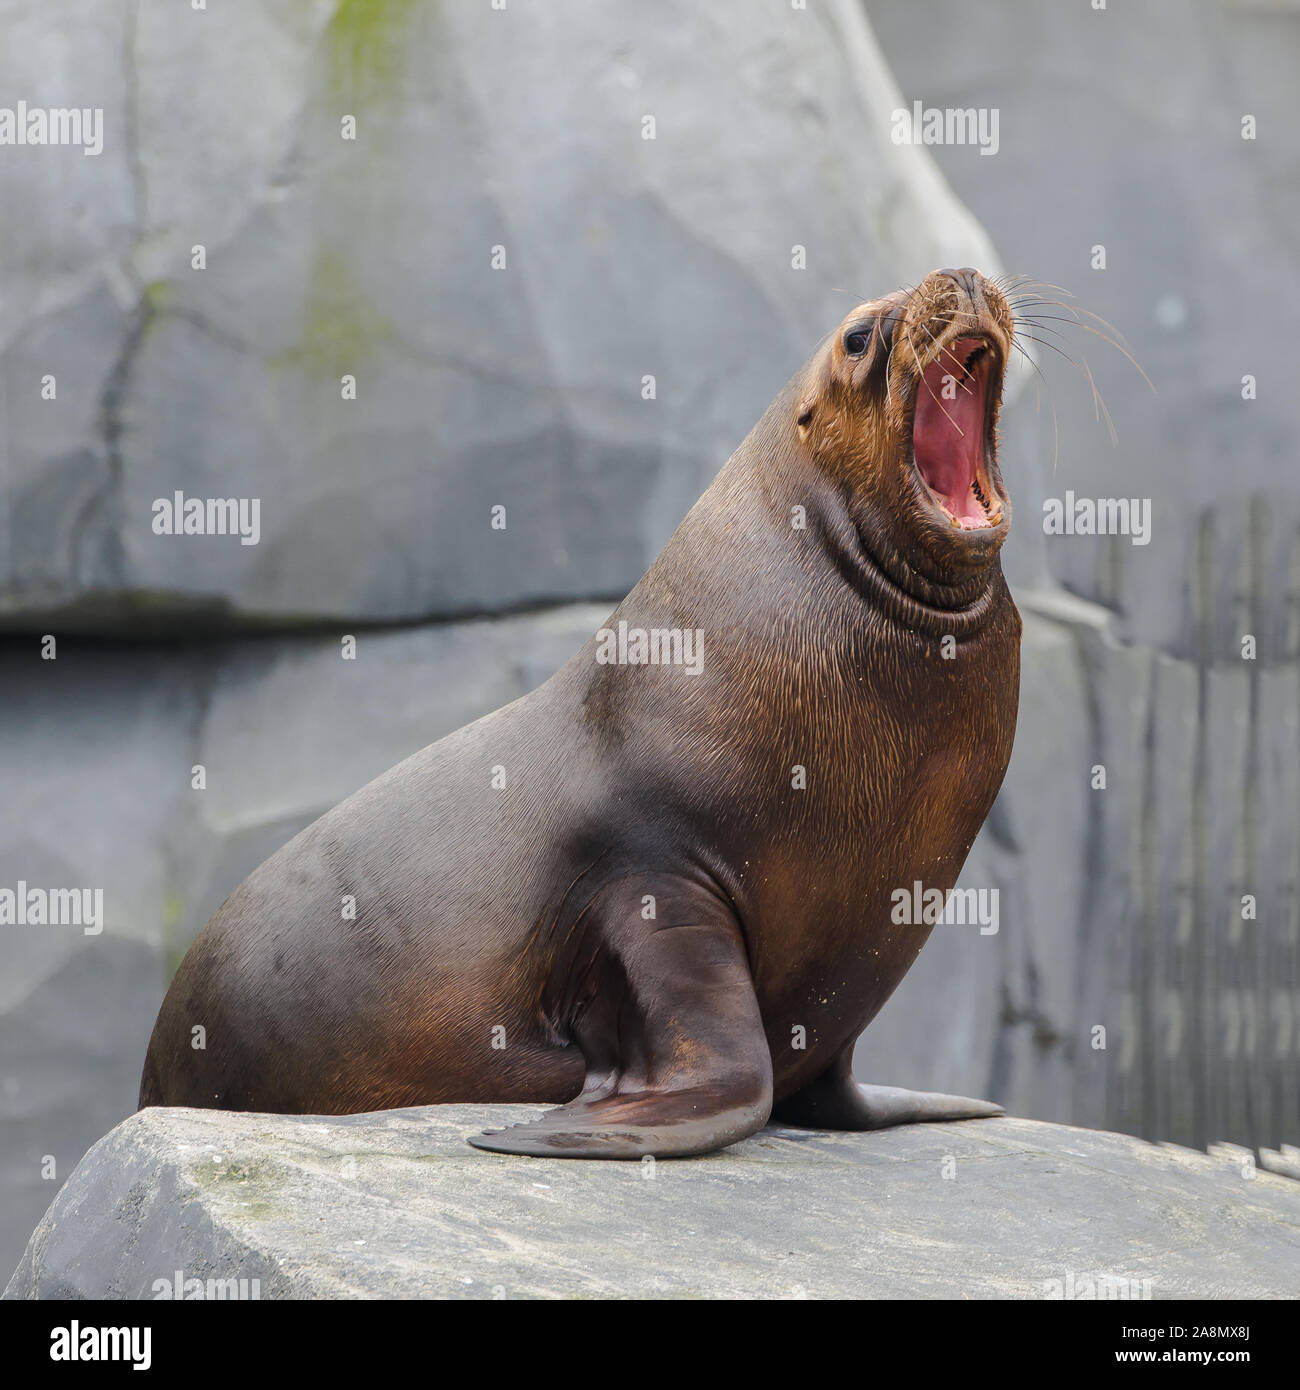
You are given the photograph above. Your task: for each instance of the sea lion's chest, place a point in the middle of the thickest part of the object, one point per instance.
(910, 769)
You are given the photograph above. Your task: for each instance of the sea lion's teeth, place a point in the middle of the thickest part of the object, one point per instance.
(954, 521)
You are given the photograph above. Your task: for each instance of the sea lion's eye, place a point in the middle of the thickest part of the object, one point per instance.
(855, 344)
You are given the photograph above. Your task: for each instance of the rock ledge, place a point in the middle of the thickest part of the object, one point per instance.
(396, 1205)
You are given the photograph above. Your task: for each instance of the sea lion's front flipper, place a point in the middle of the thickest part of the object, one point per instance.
(678, 1063)
(836, 1101)
(667, 1124)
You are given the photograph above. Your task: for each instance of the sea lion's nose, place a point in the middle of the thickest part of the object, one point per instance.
(967, 279)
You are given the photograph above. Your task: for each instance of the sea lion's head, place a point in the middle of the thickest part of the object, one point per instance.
(901, 409)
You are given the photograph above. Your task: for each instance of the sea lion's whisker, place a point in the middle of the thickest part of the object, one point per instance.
(1076, 317)
(1105, 337)
(1042, 342)
(1046, 285)
(1099, 403)
(1015, 286)
(1099, 407)
(947, 349)
(1076, 313)
(1056, 432)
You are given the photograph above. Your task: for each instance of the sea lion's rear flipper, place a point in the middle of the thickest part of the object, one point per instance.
(677, 1061)
(836, 1101)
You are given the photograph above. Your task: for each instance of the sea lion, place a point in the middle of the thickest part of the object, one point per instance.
(659, 892)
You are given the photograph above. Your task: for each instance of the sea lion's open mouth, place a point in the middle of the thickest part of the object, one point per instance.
(949, 428)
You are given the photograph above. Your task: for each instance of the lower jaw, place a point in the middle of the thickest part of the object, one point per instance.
(971, 512)
(966, 521)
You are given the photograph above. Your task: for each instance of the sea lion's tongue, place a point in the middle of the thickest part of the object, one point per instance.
(948, 430)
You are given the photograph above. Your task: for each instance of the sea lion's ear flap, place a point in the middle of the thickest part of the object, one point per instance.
(882, 342)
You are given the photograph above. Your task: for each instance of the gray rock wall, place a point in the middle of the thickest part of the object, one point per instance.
(513, 134)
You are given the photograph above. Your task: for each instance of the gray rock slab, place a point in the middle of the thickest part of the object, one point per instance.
(396, 1205)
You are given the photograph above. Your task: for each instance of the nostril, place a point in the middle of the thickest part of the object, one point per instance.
(966, 278)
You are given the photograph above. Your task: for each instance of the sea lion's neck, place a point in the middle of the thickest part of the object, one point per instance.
(858, 533)
(874, 555)
(894, 580)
